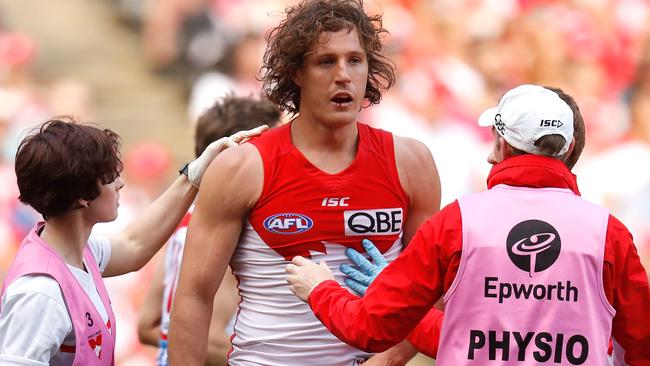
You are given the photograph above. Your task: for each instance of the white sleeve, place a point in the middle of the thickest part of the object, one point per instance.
(100, 246)
(33, 325)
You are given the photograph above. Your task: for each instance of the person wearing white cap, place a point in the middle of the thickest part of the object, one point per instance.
(527, 113)
(530, 272)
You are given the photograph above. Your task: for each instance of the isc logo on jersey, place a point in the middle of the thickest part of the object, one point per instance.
(288, 223)
(383, 221)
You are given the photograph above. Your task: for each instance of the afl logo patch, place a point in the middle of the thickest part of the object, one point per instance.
(288, 223)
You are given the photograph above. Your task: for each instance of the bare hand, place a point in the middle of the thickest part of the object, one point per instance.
(383, 359)
(398, 355)
(304, 275)
(243, 136)
(199, 166)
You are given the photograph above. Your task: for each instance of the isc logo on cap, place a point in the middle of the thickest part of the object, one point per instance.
(551, 123)
(288, 223)
(384, 221)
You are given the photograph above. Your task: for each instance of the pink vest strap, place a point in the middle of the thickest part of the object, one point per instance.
(529, 286)
(95, 343)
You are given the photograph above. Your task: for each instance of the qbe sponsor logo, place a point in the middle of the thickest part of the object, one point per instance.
(383, 221)
(288, 223)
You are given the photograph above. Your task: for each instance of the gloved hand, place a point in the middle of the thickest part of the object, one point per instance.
(358, 279)
(196, 168)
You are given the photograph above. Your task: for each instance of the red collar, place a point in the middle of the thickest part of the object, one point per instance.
(533, 171)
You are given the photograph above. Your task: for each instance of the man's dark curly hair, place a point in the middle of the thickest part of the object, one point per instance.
(294, 37)
(62, 162)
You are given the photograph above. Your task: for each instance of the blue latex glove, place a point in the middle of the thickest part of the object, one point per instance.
(360, 277)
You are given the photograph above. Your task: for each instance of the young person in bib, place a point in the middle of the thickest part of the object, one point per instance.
(531, 272)
(55, 309)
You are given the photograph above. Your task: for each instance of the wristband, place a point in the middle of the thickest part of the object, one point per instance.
(185, 170)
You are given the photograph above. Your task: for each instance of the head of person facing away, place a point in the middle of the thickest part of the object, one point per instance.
(531, 119)
(571, 158)
(232, 114)
(298, 33)
(63, 166)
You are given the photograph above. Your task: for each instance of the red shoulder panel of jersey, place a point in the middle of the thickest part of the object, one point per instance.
(302, 208)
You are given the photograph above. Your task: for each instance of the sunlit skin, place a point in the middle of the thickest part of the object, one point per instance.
(499, 149)
(104, 207)
(333, 79)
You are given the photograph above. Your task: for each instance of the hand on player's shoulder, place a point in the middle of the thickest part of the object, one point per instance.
(234, 162)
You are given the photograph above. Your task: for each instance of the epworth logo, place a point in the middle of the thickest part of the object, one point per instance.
(533, 245)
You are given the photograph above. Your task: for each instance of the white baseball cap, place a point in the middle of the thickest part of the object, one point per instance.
(528, 112)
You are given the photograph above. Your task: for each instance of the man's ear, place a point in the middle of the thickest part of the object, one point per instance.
(83, 203)
(570, 150)
(504, 148)
(297, 77)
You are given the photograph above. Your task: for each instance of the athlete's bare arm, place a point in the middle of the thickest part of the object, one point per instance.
(419, 178)
(230, 188)
(224, 306)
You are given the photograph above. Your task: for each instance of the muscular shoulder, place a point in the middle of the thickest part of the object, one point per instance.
(413, 158)
(417, 170)
(408, 150)
(236, 176)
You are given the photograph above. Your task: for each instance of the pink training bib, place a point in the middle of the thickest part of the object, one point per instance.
(529, 286)
(95, 344)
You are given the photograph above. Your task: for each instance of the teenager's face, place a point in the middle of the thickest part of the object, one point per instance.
(333, 78)
(104, 207)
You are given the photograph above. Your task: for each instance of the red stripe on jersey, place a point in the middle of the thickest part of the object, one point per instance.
(234, 327)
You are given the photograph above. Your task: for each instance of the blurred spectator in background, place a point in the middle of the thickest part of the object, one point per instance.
(20, 106)
(240, 69)
(618, 173)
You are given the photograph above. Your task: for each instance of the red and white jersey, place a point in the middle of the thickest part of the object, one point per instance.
(173, 259)
(305, 211)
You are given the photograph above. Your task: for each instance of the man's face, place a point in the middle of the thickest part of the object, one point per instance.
(499, 149)
(333, 79)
